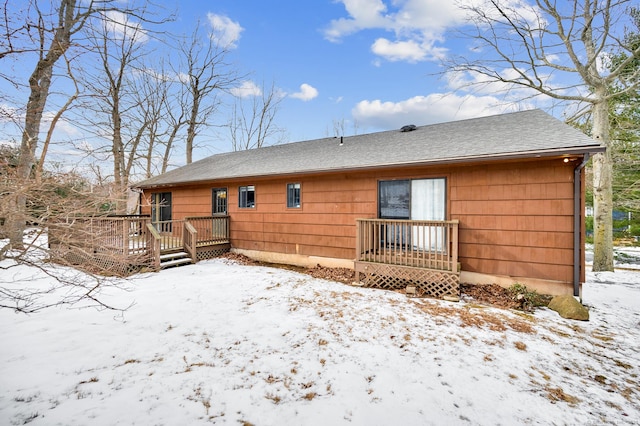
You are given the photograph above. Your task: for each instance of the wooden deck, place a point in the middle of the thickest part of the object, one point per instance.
(397, 254)
(121, 245)
(390, 254)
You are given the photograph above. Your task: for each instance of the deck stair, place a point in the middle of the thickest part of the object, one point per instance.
(176, 258)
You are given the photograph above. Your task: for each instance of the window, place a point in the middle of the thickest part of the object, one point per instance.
(247, 196)
(394, 199)
(219, 201)
(293, 195)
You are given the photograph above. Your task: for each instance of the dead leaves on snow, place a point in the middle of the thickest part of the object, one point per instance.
(477, 317)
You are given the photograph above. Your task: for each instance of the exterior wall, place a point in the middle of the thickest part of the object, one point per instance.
(516, 218)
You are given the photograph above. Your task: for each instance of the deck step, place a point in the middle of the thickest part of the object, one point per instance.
(169, 260)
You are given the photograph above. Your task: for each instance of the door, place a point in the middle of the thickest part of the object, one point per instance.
(417, 199)
(161, 211)
(219, 201)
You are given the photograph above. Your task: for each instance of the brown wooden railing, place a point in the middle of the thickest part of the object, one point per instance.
(171, 234)
(118, 235)
(153, 246)
(210, 229)
(136, 239)
(190, 240)
(419, 243)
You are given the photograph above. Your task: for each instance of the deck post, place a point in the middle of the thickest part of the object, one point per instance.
(454, 246)
(125, 237)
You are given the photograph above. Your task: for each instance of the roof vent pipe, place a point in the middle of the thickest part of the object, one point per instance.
(341, 140)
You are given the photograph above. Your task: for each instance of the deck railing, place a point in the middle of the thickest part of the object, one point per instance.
(117, 235)
(419, 243)
(210, 229)
(171, 234)
(190, 240)
(136, 240)
(153, 245)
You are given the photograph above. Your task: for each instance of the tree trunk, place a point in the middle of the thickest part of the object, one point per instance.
(191, 128)
(39, 83)
(602, 193)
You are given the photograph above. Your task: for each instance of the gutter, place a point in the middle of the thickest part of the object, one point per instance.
(577, 232)
(481, 158)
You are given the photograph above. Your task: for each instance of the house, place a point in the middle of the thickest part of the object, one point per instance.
(497, 199)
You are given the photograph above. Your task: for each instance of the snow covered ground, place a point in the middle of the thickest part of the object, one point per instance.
(223, 343)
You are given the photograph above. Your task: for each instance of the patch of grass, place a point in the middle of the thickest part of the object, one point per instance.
(273, 397)
(189, 366)
(521, 346)
(309, 396)
(602, 337)
(271, 379)
(26, 399)
(623, 364)
(600, 379)
(557, 394)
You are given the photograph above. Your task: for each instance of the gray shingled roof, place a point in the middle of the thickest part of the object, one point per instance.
(521, 134)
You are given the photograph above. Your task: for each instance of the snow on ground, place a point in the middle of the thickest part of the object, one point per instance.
(223, 343)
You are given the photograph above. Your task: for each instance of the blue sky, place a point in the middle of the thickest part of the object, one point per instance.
(350, 58)
(370, 64)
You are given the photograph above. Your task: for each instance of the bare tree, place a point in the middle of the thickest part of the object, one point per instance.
(206, 75)
(252, 123)
(47, 30)
(176, 116)
(54, 121)
(53, 40)
(554, 49)
(119, 45)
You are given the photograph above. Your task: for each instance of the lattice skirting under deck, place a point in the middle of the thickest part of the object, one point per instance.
(428, 282)
(100, 263)
(213, 251)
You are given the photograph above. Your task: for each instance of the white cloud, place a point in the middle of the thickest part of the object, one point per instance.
(306, 92)
(434, 108)
(410, 51)
(10, 114)
(418, 25)
(224, 30)
(120, 26)
(246, 89)
(62, 125)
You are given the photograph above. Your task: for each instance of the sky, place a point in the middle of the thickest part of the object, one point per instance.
(222, 343)
(372, 63)
(341, 66)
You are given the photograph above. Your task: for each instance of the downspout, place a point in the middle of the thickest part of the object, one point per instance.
(577, 232)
